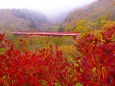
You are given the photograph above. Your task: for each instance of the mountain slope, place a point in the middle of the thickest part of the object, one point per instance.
(90, 13)
(22, 20)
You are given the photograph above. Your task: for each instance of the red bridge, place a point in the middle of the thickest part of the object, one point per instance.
(47, 33)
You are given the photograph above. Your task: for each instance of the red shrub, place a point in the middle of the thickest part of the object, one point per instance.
(96, 66)
(24, 68)
(47, 66)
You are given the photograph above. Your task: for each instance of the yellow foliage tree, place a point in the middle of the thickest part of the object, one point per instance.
(81, 26)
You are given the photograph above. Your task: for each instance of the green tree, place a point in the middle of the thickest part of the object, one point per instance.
(101, 20)
(61, 29)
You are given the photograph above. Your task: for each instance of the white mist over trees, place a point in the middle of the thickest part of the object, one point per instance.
(51, 8)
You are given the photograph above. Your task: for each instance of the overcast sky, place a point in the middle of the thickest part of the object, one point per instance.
(47, 7)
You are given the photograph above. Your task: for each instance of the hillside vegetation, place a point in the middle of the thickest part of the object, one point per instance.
(22, 20)
(90, 13)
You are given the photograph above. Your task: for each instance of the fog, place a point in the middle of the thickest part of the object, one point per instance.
(51, 8)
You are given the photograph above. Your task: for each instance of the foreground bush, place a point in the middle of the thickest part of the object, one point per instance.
(23, 68)
(96, 66)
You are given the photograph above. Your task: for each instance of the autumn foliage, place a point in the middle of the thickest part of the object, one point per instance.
(43, 67)
(96, 66)
(48, 67)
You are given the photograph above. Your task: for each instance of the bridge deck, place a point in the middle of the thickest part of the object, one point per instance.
(47, 33)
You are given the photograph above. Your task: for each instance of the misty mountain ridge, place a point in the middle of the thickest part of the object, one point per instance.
(31, 20)
(90, 13)
(22, 20)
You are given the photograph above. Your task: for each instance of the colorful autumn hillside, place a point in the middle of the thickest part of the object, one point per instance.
(22, 20)
(28, 20)
(90, 13)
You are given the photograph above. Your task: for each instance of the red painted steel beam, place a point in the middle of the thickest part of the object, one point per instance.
(47, 33)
